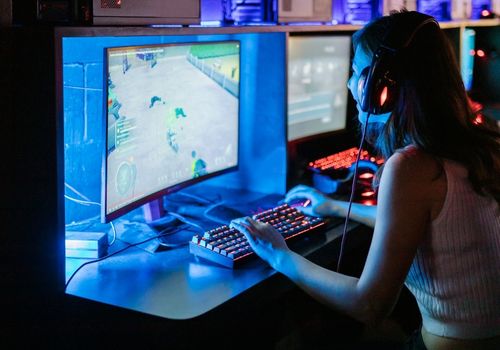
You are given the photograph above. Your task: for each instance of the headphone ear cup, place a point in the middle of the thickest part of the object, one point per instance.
(384, 88)
(379, 85)
(362, 89)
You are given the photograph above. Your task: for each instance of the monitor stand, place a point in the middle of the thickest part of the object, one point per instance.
(153, 211)
(156, 216)
(158, 219)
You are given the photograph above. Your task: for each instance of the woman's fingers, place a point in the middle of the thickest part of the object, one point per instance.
(243, 228)
(296, 195)
(300, 191)
(251, 226)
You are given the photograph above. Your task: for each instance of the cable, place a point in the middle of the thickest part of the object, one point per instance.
(353, 188)
(87, 201)
(162, 233)
(75, 191)
(82, 202)
(172, 245)
(114, 234)
(186, 221)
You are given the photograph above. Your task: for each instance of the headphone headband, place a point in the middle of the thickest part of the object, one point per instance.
(379, 85)
(403, 29)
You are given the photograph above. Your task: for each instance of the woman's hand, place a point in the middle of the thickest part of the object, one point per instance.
(320, 204)
(265, 241)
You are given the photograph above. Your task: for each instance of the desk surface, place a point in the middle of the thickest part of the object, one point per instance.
(174, 284)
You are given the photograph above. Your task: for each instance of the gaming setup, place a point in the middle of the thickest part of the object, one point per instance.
(160, 140)
(318, 114)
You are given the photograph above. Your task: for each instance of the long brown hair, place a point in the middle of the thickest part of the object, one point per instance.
(432, 110)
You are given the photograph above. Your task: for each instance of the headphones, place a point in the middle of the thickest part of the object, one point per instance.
(378, 84)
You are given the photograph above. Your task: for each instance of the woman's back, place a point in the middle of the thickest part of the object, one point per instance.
(455, 275)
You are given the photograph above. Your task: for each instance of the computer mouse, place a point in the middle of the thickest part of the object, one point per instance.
(365, 164)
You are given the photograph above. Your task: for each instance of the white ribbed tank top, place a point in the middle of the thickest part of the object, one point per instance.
(455, 276)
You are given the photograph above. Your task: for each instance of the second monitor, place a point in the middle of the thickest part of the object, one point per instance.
(318, 70)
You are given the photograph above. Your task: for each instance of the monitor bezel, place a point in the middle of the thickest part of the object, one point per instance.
(327, 134)
(158, 195)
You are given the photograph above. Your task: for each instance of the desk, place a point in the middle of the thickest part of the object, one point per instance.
(173, 299)
(174, 284)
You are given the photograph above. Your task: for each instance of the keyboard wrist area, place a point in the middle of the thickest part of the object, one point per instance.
(328, 209)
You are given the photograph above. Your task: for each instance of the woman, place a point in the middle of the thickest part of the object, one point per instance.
(437, 223)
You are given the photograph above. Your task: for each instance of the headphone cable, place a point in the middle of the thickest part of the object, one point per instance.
(353, 189)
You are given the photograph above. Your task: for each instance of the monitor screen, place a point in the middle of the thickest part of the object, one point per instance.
(172, 119)
(468, 50)
(318, 70)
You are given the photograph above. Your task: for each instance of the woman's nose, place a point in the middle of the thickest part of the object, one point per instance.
(350, 85)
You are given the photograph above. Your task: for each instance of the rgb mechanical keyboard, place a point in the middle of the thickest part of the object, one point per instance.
(343, 160)
(229, 247)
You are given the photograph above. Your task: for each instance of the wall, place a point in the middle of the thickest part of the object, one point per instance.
(5, 12)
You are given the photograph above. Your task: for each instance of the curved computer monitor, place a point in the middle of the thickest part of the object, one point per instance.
(317, 74)
(171, 120)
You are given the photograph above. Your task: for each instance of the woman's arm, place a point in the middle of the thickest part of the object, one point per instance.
(338, 291)
(364, 214)
(322, 205)
(402, 219)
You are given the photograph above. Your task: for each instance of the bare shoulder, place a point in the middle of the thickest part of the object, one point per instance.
(414, 166)
(413, 176)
